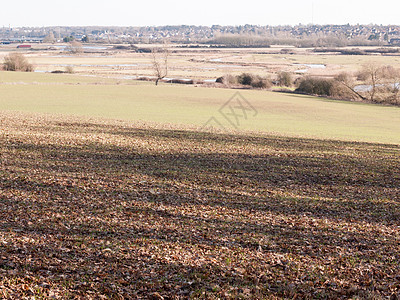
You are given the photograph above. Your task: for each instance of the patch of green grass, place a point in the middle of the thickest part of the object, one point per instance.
(283, 114)
(20, 78)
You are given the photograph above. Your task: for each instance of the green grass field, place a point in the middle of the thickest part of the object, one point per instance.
(277, 113)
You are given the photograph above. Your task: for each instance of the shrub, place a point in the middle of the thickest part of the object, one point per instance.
(340, 91)
(17, 62)
(362, 75)
(122, 47)
(344, 85)
(245, 79)
(285, 79)
(230, 79)
(144, 78)
(143, 50)
(75, 47)
(254, 81)
(180, 81)
(316, 86)
(227, 79)
(69, 70)
(261, 83)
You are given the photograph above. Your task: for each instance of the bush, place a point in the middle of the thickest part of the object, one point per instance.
(362, 75)
(143, 50)
(69, 70)
(144, 78)
(245, 79)
(316, 86)
(227, 79)
(17, 62)
(75, 47)
(230, 79)
(122, 47)
(340, 91)
(285, 79)
(261, 83)
(180, 81)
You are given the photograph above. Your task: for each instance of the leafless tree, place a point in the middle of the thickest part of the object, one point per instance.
(49, 38)
(374, 75)
(391, 89)
(382, 83)
(346, 80)
(17, 62)
(75, 47)
(160, 63)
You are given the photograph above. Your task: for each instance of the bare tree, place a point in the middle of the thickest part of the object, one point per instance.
(160, 63)
(374, 75)
(391, 90)
(381, 83)
(17, 62)
(49, 38)
(75, 47)
(346, 80)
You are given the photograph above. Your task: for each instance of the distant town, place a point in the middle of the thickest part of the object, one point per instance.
(251, 35)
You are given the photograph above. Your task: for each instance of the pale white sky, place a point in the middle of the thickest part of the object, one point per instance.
(197, 12)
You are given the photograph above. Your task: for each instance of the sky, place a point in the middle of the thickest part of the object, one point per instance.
(207, 12)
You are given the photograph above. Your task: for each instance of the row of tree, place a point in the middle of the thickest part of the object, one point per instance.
(379, 83)
(373, 83)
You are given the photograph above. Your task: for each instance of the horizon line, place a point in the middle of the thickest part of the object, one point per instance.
(193, 25)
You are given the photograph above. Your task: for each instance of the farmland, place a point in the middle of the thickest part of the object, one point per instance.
(112, 188)
(199, 63)
(277, 113)
(95, 208)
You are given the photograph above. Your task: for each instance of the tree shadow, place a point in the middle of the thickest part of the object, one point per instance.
(103, 209)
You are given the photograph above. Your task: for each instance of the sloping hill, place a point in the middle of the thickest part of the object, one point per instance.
(99, 208)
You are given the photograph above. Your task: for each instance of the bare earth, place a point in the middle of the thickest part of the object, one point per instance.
(108, 209)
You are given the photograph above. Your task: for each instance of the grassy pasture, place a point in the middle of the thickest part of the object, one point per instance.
(111, 209)
(281, 114)
(21, 78)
